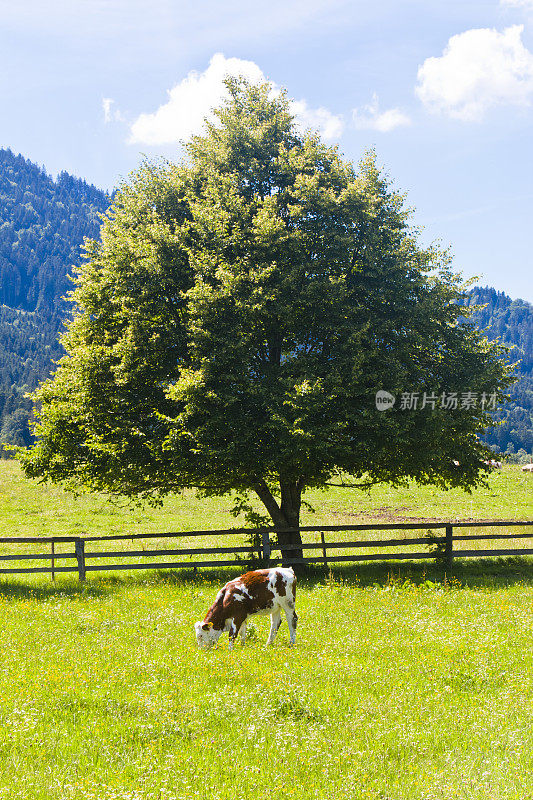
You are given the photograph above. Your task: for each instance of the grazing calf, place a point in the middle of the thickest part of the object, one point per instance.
(262, 591)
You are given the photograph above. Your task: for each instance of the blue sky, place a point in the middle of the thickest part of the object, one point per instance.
(442, 90)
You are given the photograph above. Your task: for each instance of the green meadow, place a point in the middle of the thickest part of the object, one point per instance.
(405, 682)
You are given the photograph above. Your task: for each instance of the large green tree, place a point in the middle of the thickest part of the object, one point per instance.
(238, 316)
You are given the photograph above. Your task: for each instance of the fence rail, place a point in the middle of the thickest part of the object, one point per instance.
(267, 545)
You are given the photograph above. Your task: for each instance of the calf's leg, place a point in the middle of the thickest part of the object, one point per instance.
(235, 627)
(242, 632)
(292, 621)
(275, 622)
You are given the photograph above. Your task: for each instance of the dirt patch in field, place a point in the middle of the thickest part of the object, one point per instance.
(400, 514)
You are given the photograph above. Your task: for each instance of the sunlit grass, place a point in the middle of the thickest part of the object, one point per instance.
(31, 509)
(403, 688)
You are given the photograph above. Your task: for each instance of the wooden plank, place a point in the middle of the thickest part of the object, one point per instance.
(80, 556)
(373, 557)
(167, 565)
(23, 570)
(412, 525)
(53, 562)
(35, 556)
(363, 543)
(246, 531)
(428, 525)
(207, 550)
(180, 552)
(177, 534)
(39, 539)
(484, 536)
(494, 524)
(448, 553)
(323, 542)
(266, 547)
(521, 551)
(112, 537)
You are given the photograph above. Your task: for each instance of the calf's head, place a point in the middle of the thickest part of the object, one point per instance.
(206, 635)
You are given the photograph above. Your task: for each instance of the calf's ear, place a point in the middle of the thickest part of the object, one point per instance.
(206, 626)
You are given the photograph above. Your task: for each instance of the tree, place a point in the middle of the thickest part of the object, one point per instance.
(238, 316)
(15, 428)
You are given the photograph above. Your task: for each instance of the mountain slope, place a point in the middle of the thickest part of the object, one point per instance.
(43, 223)
(512, 322)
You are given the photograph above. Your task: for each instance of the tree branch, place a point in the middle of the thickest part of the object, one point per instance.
(364, 485)
(269, 502)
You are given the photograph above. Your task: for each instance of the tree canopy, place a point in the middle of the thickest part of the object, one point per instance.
(238, 316)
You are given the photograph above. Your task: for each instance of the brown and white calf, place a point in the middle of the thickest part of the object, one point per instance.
(262, 591)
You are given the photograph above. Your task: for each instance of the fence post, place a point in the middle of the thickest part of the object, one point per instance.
(324, 549)
(266, 547)
(448, 552)
(80, 556)
(53, 561)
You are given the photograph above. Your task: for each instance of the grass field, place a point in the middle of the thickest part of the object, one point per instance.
(404, 683)
(30, 509)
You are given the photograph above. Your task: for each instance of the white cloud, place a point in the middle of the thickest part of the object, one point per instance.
(479, 68)
(191, 101)
(106, 105)
(369, 117)
(110, 115)
(517, 3)
(320, 119)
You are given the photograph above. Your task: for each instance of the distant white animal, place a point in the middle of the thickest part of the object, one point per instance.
(492, 463)
(527, 468)
(261, 591)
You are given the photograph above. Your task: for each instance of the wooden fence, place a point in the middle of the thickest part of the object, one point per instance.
(442, 545)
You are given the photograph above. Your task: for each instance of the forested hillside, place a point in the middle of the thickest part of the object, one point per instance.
(512, 322)
(43, 223)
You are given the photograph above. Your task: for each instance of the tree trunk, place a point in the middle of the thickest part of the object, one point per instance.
(286, 518)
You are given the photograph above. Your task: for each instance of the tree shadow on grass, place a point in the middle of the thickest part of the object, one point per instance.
(472, 573)
(20, 589)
